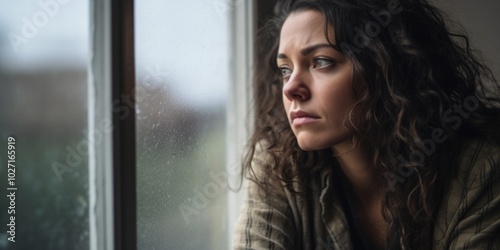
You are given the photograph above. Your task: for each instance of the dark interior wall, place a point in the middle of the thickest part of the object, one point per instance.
(481, 22)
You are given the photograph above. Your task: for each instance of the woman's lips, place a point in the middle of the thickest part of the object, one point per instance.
(301, 117)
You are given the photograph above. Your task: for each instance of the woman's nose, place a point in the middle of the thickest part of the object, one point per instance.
(296, 88)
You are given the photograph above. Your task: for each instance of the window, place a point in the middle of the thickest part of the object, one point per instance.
(43, 108)
(129, 118)
(186, 121)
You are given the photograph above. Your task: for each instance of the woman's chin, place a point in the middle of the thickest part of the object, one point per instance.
(310, 145)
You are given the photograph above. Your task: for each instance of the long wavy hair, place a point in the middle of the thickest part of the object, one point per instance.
(414, 76)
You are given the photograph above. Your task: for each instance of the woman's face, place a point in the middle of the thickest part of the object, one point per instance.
(317, 82)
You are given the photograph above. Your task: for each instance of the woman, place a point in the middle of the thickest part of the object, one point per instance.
(376, 129)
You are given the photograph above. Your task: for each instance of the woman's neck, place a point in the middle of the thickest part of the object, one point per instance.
(363, 191)
(359, 172)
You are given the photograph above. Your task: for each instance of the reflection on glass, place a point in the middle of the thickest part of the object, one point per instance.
(43, 79)
(182, 53)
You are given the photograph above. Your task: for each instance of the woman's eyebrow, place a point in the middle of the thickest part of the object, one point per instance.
(310, 49)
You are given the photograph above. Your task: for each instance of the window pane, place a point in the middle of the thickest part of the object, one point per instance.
(182, 53)
(43, 82)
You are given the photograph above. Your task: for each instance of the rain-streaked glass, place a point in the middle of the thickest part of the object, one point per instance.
(182, 58)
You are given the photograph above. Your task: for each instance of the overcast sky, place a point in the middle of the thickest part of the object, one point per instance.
(62, 40)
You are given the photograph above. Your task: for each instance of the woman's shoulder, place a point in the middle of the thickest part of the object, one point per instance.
(477, 175)
(468, 211)
(479, 159)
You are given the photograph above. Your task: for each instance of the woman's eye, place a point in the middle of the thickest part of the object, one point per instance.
(285, 72)
(322, 63)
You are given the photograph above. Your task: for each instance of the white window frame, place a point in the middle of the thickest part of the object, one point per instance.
(112, 162)
(101, 221)
(240, 119)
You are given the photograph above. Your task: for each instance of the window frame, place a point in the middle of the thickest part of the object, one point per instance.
(239, 121)
(112, 161)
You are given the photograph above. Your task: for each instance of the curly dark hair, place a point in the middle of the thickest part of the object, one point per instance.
(417, 80)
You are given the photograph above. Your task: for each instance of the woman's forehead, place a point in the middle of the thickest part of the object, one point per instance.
(302, 29)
